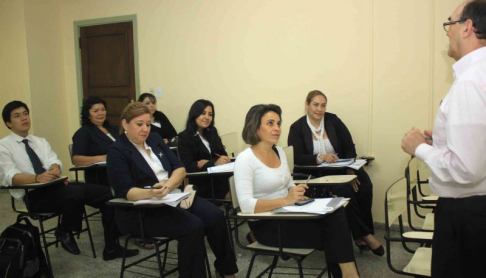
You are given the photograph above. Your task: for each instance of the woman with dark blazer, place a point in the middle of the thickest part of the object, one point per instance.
(322, 137)
(92, 140)
(141, 166)
(200, 147)
(160, 122)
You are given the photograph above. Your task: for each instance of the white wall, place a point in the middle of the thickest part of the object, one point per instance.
(382, 63)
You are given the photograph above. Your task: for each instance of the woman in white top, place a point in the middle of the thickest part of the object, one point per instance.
(321, 136)
(263, 183)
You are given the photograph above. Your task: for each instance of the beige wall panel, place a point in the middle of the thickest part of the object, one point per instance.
(238, 54)
(14, 69)
(382, 64)
(401, 85)
(442, 63)
(46, 69)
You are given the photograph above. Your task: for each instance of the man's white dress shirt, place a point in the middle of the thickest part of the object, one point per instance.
(14, 158)
(457, 158)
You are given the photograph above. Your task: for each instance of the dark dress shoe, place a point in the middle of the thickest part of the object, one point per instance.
(67, 242)
(380, 251)
(109, 255)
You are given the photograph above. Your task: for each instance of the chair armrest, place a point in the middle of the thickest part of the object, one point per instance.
(329, 180)
(369, 159)
(197, 174)
(304, 176)
(277, 216)
(83, 168)
(122, 202)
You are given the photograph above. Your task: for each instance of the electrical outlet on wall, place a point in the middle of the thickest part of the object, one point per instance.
(159, 92)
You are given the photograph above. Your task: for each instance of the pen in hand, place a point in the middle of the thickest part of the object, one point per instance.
(308, 178)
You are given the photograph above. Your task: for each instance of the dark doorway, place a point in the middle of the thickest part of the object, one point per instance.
(108, 67)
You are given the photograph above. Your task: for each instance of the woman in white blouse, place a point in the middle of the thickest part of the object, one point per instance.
(263, 183)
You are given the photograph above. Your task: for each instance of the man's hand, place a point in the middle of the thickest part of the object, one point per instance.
(412, 140)
(48, 176)
(428, 133)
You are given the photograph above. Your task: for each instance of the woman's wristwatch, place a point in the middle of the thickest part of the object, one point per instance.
(319, 160)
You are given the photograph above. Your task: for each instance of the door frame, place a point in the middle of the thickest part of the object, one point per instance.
(100, 21)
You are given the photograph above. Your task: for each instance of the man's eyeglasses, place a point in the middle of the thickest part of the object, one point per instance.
(448, 24)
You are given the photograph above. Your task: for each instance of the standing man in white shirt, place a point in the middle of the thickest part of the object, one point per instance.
(456, 155)
(25, 158)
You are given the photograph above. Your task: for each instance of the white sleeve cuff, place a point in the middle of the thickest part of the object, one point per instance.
(422, 151)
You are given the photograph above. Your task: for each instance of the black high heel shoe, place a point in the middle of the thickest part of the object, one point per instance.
(363, 248)
(380, 251)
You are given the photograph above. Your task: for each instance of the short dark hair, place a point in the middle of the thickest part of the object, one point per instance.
(253, 121)
(196, 110)
(87, 104)
(11, 106)
(476, 12)
(145, 95)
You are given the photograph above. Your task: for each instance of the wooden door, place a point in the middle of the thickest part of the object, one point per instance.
(108, 65)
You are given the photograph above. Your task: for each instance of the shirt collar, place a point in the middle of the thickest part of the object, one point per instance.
(468, 60)
(19, 138)
(146, 147)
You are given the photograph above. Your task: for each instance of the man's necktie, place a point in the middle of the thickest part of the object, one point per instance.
(33, 158)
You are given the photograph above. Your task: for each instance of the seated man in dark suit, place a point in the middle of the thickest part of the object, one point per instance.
(25, 158)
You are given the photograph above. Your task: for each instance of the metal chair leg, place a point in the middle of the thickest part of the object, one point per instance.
(43, 235)
(89, 233)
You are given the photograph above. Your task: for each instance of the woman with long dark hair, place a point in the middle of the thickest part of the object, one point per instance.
(200, 147)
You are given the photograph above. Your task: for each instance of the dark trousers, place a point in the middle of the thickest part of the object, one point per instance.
(205, 190)
(459, 243)
(189, 228)
(330, 233)
(69, 201)
(358, 210)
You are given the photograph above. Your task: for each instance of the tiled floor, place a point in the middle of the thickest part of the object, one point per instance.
(84, 265)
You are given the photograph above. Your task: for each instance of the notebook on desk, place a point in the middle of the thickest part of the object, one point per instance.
(63, 178)
(172, 199)
(319, 206)
(225, 168)
(339, 163)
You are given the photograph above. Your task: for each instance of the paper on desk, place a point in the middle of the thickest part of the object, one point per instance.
(172, 199)
(319, 206)
(229, 167)
(339, 163)
(358, 164)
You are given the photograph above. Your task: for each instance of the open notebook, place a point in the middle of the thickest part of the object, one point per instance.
(319, 206)
(225, 168)
(172, 199)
